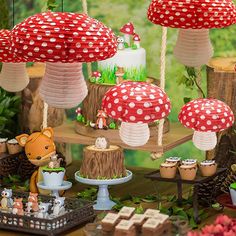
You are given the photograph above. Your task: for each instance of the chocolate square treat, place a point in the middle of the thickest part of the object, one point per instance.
(125, 228)
(161, 217)
(126, 212)
(138, 220)
(151, 213)
(109, 222)
(150, 227)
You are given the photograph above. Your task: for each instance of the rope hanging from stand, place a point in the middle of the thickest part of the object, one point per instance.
(162, 85)
(85, 11)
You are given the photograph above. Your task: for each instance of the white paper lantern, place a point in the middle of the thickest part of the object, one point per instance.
(204, 140)
(134, 134)
(63, 85)
(193, 47)
(14, 77)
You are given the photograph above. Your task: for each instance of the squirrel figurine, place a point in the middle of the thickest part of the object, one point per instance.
(18, 207)
(101, 122)
(58, 206)
(55, 162)
(119, 75)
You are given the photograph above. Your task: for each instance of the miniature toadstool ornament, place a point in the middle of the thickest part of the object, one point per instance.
(194, 19)
(127, 30)
(97, 75)
(13, 77)
(206, 117)
(63, 40)
(136, 40)
(136, 104)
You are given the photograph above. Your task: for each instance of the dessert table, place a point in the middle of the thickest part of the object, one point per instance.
(139, 185)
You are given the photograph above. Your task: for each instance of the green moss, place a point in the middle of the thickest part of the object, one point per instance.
(233, 186)
(108, 75)
(53, 169)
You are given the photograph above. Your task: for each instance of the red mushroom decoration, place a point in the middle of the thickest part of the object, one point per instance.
(13, 77)
(136, 104)
(206, 117)
(136, 40)
(194, 18)
(63, 40)
(127, 30)
(97, 75)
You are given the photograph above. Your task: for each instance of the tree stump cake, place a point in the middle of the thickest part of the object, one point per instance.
(100, 163)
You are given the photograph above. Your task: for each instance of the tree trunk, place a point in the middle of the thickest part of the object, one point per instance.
(221, 84)
(99, 163)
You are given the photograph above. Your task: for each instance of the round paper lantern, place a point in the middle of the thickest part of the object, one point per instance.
(62, 37)
(206, 117)
(136, 104)
(194, 19)
(63, 86)
(13, 77)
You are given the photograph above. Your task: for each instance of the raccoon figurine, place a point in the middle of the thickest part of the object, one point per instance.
(7, 201)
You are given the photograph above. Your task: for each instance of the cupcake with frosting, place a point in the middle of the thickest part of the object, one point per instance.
(3, 145)
(175, 160)
(208, 167)
(168, 170)
(192, 162)
(188, 172)
(13, 146)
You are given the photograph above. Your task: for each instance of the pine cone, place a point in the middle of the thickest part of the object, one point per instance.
(230, 178)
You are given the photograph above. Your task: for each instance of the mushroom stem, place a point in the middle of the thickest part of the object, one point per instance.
(193, 47)
(204, 140)
(127, 38)
(134, 134)
(137, 43)
(63, 85)
(14, 77)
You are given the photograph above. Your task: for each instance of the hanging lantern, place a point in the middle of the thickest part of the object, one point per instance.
(136, 104)
(62, 40)
(194, 19)
(206, 117)
(13, 77)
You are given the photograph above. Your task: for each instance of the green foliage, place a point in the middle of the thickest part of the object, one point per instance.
(112, 125)
(92, 79)
(126, 45)
(108, 75)
(4, 16)
(136, 74)
(15, 182)
(89, 194)
(9, 108)
(51, 5)
(134, 47)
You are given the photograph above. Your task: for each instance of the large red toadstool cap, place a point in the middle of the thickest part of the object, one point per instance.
(127, 29)
(14, 77)
(136, 104)
(194, 19)
(63, 37)
(205, 117)
(195, 14)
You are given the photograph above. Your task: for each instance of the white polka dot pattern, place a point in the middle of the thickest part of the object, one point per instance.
(206, 115)
(136, 102)
(63, 37)
(5, 54)
(192, 14)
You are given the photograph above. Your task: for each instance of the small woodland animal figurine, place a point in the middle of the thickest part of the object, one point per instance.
(121, 43)
(58, 206)
(32, 202)
(55, 162)
(6, 201)
(101, 122)
(39, 147)
(43, 210)
(18, 207)
(102, 143)
(119, 75)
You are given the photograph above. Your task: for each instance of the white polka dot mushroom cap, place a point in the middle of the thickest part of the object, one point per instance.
(63, 37)
(192, 14)
(206, 115)
(136, 102)
(128, 29)
(5, 54)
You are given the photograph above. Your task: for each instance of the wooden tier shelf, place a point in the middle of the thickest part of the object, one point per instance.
(176, 136)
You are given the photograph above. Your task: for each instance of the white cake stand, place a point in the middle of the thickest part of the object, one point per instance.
(103, 201)
(55, 190)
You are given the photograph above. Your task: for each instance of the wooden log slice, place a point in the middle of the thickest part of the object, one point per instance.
(103, 163)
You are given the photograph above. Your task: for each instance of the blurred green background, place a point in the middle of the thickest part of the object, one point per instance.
(115, 13)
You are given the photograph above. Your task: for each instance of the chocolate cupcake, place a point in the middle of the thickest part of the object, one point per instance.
(3, 145)
(188, 172)
(13, 146)
(208, 167)
(168, 170)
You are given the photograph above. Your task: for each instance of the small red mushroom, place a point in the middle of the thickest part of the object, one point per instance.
(136, 40)
(96, 75)
(206, 117)
(127, 30)
(136, 104)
